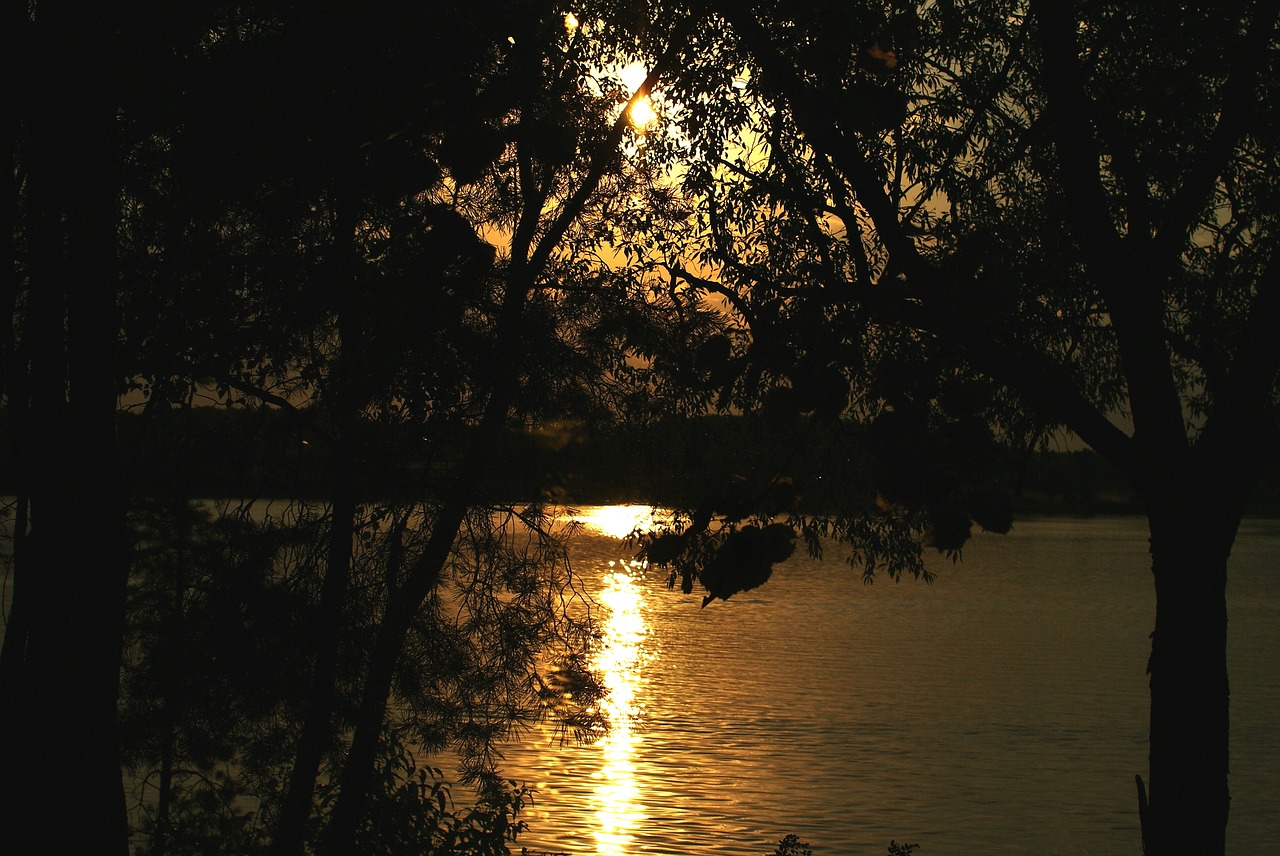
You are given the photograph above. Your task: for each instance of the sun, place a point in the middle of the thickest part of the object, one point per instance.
(642, 114)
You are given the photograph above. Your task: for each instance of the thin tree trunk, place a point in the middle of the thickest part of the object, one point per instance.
(357, 773)
(171, 700)
(164, 790)
(530, 254)
(403, 602)
(317, 724)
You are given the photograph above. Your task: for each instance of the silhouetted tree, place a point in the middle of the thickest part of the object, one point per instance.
(987, 220)
(384, 221)
(59, 669)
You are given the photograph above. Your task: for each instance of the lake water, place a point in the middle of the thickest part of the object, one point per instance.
(1002, 709)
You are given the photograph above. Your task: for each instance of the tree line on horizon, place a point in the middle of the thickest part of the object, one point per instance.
(964, 226)
(239, 453)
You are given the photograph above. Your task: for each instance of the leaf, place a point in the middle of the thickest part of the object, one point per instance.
(992, 510)
(467, 151)
(664, 549)
(745, 560)
(949, 526)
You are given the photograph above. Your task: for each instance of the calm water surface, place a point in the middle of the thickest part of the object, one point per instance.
(1001, 710)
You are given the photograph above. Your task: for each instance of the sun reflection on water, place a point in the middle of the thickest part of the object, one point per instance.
(620, 659)
(617, 521)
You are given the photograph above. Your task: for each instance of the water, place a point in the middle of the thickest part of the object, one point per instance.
(1001, 710)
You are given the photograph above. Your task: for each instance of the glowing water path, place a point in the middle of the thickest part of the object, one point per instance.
(620, 660)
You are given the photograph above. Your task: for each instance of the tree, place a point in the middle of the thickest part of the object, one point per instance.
(1001, 219)
(380, 221)
(59, 669)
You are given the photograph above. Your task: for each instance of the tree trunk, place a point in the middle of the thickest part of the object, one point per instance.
(61, 676)
(404, 601)
(1189, 746)
(317, 725)
(402, 605)
(346, 402)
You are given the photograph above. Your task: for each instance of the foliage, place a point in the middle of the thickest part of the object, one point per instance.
(407, 271)
(980, 222)
(413, 227)
(207, 816)
(224, 606)
(411, 811)
(791, 845)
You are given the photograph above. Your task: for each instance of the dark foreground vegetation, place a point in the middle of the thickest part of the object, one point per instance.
(440, 266)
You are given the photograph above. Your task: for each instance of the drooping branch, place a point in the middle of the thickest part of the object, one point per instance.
(984, 106)
(740, 305)
(296, 413)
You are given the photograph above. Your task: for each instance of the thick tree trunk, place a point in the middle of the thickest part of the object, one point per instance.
(1189, 796)
(61, 675)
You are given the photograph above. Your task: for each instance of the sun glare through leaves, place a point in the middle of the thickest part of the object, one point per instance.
(643, 114)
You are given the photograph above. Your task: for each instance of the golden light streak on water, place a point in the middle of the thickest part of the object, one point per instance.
(617, 521)
(620, 660)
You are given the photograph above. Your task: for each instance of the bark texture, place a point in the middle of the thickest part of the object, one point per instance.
(1189, 797)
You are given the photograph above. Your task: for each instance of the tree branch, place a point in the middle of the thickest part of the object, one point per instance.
(600, 161)
(1132, 290)
(1241, 404)
(719, 288)
(1071, 120)
(824, 135)
(1032, 375)
(1046, 386)
(1238, 97)
(267, 397)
